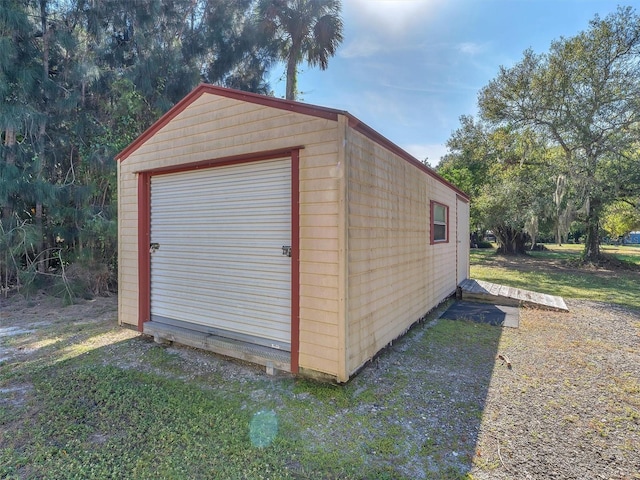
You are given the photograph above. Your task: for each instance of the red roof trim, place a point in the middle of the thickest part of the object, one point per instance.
(296, 107)
(464, 198)
(369, 132)
(166, 118)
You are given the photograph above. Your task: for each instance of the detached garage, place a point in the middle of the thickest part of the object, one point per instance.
(282, 233)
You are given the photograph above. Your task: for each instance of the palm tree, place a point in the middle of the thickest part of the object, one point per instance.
(302, 29)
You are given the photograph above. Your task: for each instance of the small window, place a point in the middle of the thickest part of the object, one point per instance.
(439, 223)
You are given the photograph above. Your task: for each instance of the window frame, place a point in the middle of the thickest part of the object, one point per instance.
(433, 223)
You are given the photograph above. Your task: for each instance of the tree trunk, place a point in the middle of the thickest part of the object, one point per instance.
(510, 240)
(6, 270)
(40, 245)
(592, 240)
(42, 133)
(292, 72)
(10, 159)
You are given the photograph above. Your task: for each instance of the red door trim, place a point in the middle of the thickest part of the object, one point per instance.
(144, 259)
(295, 259)
(144, 233)
(224, 161)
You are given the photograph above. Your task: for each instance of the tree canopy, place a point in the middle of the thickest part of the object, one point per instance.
(308, 30)
(79, 80)
(580, 103)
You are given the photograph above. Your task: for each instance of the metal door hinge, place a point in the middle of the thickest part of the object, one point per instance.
(286, 250)
(153, 247)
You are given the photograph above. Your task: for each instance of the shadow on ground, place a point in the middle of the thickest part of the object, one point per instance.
(496, 315)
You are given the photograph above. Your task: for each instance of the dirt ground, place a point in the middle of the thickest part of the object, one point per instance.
(568, 408)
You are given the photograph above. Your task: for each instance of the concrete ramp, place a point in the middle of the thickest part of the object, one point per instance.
(487, 292)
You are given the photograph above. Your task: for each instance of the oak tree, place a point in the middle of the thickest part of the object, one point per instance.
(584, 97)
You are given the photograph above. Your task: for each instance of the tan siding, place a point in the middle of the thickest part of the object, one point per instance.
(318, 196)
(319, 352)
(235, 127)
(328, 305)
(127, 223)
(327, 340)
(127, 246)
(314, 255)
(394, 275)
(217, 127)
(367, 269)
(319, 244)
(318, 268)
(328, 281)
(319, 220)
(315, 291)
(323, 365)
(316, 321)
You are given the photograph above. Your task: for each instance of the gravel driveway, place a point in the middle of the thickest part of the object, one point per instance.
(570, 406)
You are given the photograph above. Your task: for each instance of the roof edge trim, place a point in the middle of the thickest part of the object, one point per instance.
(292, 106)
(296, 107)
(372, 134)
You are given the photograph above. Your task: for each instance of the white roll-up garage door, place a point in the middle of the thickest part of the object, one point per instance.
(217, 261)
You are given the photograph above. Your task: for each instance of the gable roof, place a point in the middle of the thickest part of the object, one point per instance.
(292, 106)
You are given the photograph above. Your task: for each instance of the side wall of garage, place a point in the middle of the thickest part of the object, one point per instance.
(214, 127)
(395, 274)
(462, 225)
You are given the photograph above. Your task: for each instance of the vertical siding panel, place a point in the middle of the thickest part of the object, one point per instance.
(127, 246)
(342, 165)
(319, 237)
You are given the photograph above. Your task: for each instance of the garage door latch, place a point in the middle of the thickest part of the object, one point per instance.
(153, 247)
(286, 250)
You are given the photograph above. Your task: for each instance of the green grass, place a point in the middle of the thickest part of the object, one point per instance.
(104, 422)
(85, 417)
(625, 253)
(554, 271)
(77, 414)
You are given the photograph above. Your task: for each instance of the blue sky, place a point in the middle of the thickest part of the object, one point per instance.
(411, 68)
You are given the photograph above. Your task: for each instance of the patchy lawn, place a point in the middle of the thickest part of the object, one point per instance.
(556, 271)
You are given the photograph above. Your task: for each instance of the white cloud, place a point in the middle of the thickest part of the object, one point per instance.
(471, 48)
(432, 151)
(362, 47)
(392, 16)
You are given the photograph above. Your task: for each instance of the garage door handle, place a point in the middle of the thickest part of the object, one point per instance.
(286, 250)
